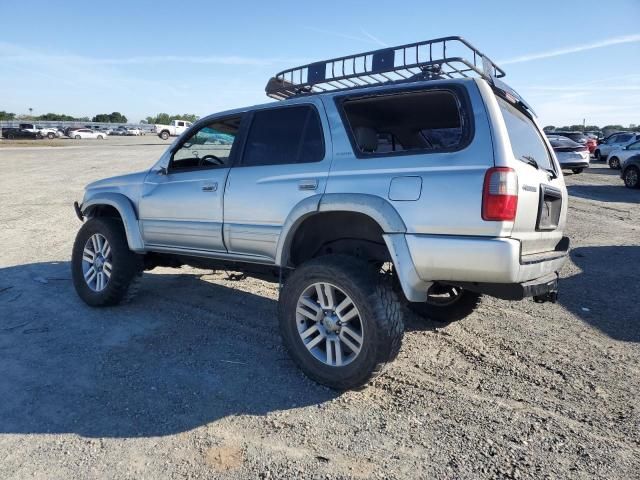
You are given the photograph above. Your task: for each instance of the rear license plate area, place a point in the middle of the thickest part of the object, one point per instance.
(549, 208)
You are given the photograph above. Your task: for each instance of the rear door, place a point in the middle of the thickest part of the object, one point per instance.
(285, 160)
(542, 196)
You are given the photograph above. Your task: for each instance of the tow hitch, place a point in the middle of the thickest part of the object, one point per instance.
(546, 297)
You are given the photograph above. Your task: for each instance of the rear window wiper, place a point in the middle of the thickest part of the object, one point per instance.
(531, 161)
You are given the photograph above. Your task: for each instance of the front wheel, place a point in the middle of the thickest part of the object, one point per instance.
(614, 162)
(51, 136)
(340, 321)
(102, 266)
(577, 170)
(446, 303)
(632, 177)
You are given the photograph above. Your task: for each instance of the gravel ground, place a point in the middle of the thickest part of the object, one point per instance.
(190, 380)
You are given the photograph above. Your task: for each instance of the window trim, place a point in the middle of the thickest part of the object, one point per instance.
(233, 154)
(460, 94)
(247, 132)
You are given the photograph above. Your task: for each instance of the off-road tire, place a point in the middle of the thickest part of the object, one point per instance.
(127, 265)
(380, 314)
(164, 135)
(577, 170)
(462, 308)
(614, 163)
(631, 180)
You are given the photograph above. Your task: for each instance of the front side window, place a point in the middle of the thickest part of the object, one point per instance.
(526, 141)
(407, 122)
(208, 147)
(284, 136)
(634, 146)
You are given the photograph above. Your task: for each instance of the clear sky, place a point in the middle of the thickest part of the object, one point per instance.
(570, 59)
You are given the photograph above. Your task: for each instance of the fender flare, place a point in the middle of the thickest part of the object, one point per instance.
(125, 208)
(377, 208)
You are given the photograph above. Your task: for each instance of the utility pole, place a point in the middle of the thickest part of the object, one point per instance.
(584, 123)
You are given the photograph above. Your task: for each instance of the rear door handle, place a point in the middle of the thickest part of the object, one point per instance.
(210, 188)
(308, 184)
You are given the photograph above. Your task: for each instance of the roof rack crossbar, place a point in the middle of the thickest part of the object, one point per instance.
(384, 65)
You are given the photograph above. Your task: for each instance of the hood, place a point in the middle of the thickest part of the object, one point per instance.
(121, 181)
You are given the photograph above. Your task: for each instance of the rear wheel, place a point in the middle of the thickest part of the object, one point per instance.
(632, 177)
(100, 137)
(340, 321)
(11, 136)
(77, 137)
(446, 303)
(102, 266)
(577, 170)
(614, 162)
(164, 135)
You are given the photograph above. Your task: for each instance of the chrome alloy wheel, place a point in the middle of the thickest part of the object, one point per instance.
(96, 262)
(329, 324)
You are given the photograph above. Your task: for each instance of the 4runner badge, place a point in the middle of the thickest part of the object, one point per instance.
(529, 188)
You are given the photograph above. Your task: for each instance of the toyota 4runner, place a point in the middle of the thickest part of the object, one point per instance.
(409, 176)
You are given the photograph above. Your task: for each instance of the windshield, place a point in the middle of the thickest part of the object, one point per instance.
(526, 142)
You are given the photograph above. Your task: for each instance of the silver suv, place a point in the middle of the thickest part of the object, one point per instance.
(399, 177)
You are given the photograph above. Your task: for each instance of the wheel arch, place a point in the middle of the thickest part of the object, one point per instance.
(104, 204)
(374, 209)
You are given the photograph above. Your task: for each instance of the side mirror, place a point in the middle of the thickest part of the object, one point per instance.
(162, 171)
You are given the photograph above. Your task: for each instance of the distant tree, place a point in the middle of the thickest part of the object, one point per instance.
(165, 118)
(7, 115)
(56, 117)
(613, 127)
(115, 117)
(549, 128)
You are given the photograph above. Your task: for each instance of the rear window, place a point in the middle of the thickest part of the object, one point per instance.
(526, 141)
(404, 123)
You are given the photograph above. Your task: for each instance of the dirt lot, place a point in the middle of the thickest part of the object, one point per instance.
(190, 380)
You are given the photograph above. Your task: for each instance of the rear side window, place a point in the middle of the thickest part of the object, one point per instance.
(406, 123)
(284, 136)
(525, 138)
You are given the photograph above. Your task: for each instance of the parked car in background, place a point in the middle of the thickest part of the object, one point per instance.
(133, 131)
(83, 133)
(630, 172)
(578, 137)
(13, 133)
(176, 128)
(570, 154)
(614, 142)
(121, 130)
(618, 156)
(39, 130)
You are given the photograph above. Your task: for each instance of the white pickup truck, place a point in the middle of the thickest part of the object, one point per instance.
(42, 132)
(176, 128)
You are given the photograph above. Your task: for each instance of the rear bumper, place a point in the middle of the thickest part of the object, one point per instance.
(583, 164)
(493, 266)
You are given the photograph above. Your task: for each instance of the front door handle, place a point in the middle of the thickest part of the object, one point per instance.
(308, 184)
(210, 187)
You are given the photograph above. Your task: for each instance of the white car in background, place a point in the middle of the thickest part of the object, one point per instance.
(614, 142)
(83, 133)
(619, 155)
(133, 131)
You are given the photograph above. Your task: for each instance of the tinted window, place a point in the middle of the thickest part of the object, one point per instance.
(526, 141)
(284, 135)
(624, 137)
(634, 146)
(208, 147)
(416, 122)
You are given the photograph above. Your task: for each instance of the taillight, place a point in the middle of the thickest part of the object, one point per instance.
(500, 194)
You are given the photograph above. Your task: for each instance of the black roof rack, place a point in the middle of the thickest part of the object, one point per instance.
(447, 57)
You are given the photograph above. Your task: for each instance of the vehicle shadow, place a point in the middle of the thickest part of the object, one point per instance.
(605, 193)
(184, 353)
(605, 293)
